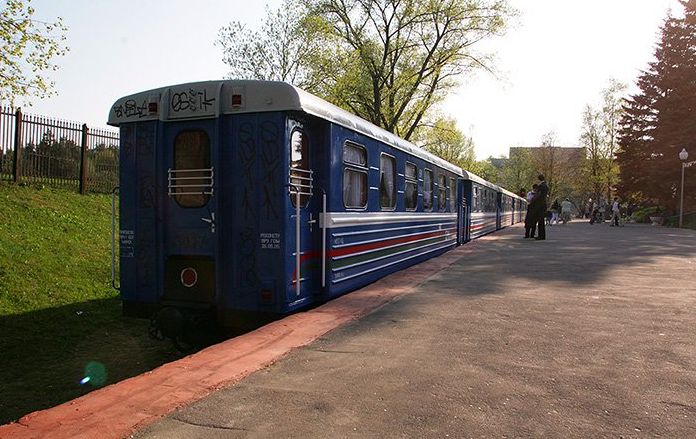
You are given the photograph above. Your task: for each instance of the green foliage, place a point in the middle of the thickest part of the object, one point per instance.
(643, 215)
(29, 48)
(658, 121)
(485, 170)
(58, 312)
(405, 55)
(599, 137)
(280, 50)
(518, 171)
(446, 141)
(387, 61)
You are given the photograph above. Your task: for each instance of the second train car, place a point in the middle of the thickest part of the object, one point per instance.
(246, 200)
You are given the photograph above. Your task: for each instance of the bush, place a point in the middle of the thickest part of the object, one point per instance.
(643, 215)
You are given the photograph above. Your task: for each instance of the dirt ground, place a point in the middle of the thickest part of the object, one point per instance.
(587, 334)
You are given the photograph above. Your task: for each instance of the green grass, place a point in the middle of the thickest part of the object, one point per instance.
(58, 312)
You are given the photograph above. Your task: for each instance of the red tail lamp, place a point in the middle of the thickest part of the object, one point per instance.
(189, 277)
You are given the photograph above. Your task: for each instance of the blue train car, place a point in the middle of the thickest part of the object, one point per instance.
(482, 199)
(246, 200)
(520, 207)
(506, 205)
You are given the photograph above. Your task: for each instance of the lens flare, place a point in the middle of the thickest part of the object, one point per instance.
(95, 374)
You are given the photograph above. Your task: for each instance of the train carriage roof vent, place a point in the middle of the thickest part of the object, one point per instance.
(237, 98)
(153, 104)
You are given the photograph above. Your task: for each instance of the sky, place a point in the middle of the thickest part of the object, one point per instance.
(555, 58)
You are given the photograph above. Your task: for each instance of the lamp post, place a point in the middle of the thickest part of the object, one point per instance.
(683, 155)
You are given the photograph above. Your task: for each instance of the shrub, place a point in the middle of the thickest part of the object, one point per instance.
(643, 215)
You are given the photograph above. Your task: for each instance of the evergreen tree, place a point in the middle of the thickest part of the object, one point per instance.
(658, 121)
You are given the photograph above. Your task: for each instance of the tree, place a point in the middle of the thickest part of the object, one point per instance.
(560, 166)
(599, 136)
(592, 138)
(28, 51)
(658, 119)
(518, 171)
(612, 111)
(387, 61)
(485, 169)
(446, 141)
(398, 58)
(281, 50)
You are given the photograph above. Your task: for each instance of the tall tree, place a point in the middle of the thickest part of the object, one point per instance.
(592, 138)
(282, 49)
(387, 61)
(612, 111)
(402, 56)
(600, 138)
(658, 119)
(28, 51)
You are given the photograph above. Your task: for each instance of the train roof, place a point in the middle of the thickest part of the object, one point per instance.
(511, 194)
(210, 99)
(468, 175)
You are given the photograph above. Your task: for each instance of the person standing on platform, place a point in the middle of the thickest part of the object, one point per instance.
(539, 207)
(529, 220)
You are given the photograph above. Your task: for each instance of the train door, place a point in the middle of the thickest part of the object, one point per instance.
(463, 211)
(306, 200)
(188, 213)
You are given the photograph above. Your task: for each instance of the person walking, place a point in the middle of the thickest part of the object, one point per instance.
(615, 212)
(529, 219)
(539, 207)
(555, 211)
(566, 209)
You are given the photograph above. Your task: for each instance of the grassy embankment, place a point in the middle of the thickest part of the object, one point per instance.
(60, 320)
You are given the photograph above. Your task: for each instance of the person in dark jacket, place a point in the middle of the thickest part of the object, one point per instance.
(539, 207)
(530, 220)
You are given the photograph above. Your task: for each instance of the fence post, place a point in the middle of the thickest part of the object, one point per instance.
(17, 163)
(83, 160)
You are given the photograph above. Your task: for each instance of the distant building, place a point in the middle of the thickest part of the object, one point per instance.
(498, 162)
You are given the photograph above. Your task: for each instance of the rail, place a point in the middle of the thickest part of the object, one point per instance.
(177, 179)
(113, 239)
(300, 184)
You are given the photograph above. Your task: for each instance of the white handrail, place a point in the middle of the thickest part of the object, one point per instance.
(323, 242)
(113, 239)
(297, 241)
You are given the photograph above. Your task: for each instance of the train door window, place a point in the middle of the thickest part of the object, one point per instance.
(192, 154)
(300, 174)
(453, 195)
(428, 189)
(442, 193)
(387, 182)
(477, 201)
(354, 176)
(411, 195)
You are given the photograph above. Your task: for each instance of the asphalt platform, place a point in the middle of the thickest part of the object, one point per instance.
(590, 333)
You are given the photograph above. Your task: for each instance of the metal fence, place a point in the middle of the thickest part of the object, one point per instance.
(51, 151)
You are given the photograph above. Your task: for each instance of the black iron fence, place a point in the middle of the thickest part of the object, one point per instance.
(55, 152)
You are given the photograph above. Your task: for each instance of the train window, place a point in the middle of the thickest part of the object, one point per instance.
(354, 176)
(453, 194)
(387, 182)
(411, 195)
(192, 154)
(300, 174)
(442, 193)
(428, 190)
(354, 154)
